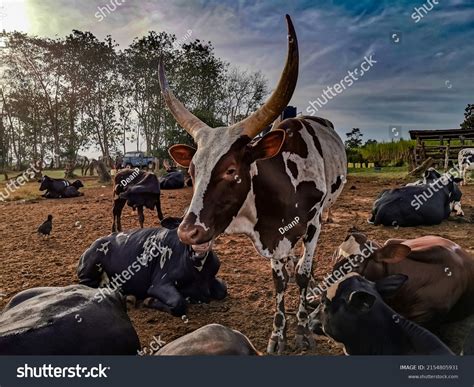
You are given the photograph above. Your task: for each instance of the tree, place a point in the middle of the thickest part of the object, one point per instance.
(468, 117)
(58, 96)
(354, 139)
(243, 93)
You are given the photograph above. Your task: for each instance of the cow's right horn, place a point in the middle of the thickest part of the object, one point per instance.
(281, 96)
(182, 115)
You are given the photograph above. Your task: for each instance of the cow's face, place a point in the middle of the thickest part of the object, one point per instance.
(351, 305)
(430, 175)
(221, 173)
(45, 183)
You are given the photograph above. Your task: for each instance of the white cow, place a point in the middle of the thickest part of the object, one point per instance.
(466, 163)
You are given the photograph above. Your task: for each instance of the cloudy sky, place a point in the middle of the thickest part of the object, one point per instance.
(422, 79)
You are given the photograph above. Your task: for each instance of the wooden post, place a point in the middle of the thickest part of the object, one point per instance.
(423, 167)
(446, 158)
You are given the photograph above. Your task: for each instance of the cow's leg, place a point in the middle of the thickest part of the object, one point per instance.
(158, 209)
(141, 216)
(304, 338)
(218, 289)
(166, 298)
(462, 175)
(117, 212)
(280, 280)
(329, 216)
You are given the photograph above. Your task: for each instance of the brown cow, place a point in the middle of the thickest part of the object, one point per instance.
(272, 189)
(212, 339)
(138, 189)
(440, 285)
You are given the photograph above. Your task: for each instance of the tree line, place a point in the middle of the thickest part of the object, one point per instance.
(63, 95)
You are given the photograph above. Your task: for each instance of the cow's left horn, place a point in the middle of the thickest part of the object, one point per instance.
(182, 115)
(266, 114)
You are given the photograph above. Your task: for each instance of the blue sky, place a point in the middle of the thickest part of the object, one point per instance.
(422, 82)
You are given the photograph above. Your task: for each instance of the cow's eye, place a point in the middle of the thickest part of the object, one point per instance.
(230, 171)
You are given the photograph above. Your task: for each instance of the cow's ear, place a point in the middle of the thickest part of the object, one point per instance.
(388, 286)
(182, 154)
(268, 146)
(361, 301)
(391, 253)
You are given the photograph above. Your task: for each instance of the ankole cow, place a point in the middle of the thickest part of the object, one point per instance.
(258, 187)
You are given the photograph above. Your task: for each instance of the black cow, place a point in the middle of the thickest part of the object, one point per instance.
(138, 189)
(211, 339)
(354, 314)
(425, 204)
(66, 321)
(468, 348)
(60, 188)
(174, 179)
(153, 264)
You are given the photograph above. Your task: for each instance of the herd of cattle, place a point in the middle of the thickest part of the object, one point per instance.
(382, 299)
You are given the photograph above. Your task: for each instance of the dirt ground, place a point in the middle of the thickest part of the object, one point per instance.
(28, 261)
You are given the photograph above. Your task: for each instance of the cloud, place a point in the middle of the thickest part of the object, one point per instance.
(406, 87)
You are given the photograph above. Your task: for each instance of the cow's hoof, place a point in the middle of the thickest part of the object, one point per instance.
(131, 302)
(276, 345)
(147, 302)
(305, 341)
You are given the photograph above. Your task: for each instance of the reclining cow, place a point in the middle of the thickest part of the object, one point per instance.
(152, 264)
(423, 204)
(210, 340)
(432, 294)
(173, 179)
(466, 163)
(66, 321)
(138, 189)
(353, 312)
(60, 188)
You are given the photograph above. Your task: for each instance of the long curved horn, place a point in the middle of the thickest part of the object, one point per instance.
(182, 115)
(266, 114)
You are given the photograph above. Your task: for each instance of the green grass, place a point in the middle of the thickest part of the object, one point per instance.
(30, 190)
(54, 173)
(385, 172)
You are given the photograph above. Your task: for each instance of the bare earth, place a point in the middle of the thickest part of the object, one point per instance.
(28, 261)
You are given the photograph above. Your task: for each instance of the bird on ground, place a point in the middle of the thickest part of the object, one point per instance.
(46, 227)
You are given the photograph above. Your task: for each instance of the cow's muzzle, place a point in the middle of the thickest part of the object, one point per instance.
(191, 234)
